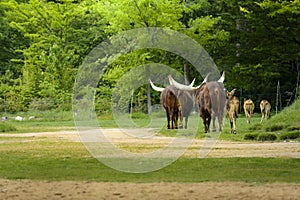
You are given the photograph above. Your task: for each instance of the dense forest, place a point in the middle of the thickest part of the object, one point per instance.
(43, 43)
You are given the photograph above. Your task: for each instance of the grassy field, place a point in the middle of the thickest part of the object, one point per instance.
(52, 160)
(46, 159)
(283, 126)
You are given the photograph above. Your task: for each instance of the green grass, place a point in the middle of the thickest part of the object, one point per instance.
(46, 160)
(286, 122)
(7, 127)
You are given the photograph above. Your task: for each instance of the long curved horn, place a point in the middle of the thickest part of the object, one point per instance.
(171, 81)
(221, 80)
(192, 83)
(186, 87)
(159, 89)
(179, 85)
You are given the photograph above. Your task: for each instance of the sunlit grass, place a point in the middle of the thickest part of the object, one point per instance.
(63, 160)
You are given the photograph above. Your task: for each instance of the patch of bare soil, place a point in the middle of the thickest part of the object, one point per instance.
(28, 189)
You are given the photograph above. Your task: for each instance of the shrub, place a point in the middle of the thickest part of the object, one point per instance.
(5, 127)
(266, 137)
(251, 136)
(139, 115)
(42, 104)
(275, 127)
(293, 128)
(255, 127)
(290, 135)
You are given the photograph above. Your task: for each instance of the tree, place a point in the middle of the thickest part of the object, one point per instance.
(170, 14)
(269, 48)
(60, 35)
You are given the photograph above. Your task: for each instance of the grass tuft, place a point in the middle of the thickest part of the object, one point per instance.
(251, 136)
(290, 135)
(267, 137)
(6, 127)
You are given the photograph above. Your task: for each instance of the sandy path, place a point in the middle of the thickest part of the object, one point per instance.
(138, 137)
(28, 189)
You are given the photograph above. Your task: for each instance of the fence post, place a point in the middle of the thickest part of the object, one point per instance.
(278, 97)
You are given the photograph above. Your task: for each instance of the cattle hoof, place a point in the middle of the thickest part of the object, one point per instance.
(181, 127)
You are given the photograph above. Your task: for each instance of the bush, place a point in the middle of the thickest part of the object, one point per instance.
(275, 127)
(290, 135)
(139, 115)
(251, 136)
(267, 137)
(255, 127)
(293, 128)
(41, 104)
(5, 127)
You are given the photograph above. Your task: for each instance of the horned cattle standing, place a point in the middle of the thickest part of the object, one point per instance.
(177, 103)
(248, 108)
(186, 105)
(232, 108)
(210, 99)
(169, 101)
(265, 108)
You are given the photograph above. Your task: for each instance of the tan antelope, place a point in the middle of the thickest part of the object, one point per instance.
(248, 108)
(265, 108)
(232, 109)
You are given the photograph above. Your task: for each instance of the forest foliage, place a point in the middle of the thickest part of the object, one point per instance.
(43, 43)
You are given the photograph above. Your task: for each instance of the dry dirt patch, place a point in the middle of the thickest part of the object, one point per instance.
(221, 149)
(27, 189)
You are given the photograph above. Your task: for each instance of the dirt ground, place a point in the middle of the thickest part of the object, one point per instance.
(29, 189)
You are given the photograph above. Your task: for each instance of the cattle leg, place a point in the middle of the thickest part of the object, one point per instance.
(220, 121)
(208, 123)
(186, 122)
(175, 121)
(214, 124)
(181, 120)
(204, 119)
(168, 119)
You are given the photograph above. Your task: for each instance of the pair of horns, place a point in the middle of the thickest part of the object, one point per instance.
(185, 87)
(159, 89)
(190, 87)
